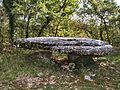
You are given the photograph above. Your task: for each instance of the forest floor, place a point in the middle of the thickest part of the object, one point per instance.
(23, 70)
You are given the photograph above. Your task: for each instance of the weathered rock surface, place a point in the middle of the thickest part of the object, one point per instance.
(77, 46)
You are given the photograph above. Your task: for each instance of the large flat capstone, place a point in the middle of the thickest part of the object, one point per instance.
(77, 46)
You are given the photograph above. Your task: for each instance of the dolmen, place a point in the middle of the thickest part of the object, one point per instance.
(75, 48)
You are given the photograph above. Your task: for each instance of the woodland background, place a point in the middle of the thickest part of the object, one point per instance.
(99, 19)
(22, 69)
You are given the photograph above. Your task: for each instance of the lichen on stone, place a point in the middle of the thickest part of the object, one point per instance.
(80, 46)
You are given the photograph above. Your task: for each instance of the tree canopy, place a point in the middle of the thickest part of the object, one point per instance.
(99, 19)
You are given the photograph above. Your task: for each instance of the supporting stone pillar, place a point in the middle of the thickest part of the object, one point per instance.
(81, 61)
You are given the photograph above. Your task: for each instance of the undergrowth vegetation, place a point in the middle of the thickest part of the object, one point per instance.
(26, 70)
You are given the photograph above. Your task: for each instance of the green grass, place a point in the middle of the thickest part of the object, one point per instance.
(115, 57)
(23, 70)
(19, 62)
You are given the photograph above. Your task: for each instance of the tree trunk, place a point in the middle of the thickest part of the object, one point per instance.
(27, 28)
(44, 26)
(107, 32)
(8, 7)
(101, 34)
(56, 30)
(101, 31)
(11, 27)
(41, 30)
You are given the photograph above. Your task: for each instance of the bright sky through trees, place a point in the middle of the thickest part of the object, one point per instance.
(118, 2)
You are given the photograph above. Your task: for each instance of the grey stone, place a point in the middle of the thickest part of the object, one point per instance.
(77, 46)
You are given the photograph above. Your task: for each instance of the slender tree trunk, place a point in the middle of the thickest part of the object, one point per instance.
(105, 25)
(41, 30)
(107, 32)
(56, 30)
(11, 27)
(101, 34)
(48, 19)
(44, 26)
(27, 27)
(101, 31)
(8, 8)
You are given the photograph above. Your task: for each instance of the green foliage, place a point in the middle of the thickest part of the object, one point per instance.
(45, 16)
(97, 19)
(116, 40)
(100, 17)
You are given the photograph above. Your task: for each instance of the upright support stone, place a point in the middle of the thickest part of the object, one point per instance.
(79, 60)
